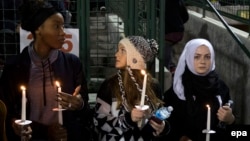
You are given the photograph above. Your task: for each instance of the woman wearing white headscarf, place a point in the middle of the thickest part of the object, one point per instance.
(196, 85)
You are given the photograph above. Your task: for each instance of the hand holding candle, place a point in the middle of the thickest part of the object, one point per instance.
(21, 122)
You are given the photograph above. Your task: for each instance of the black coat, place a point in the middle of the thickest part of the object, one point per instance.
(183, 123)
(67, 69)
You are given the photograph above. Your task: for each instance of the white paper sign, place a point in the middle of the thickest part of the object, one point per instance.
(71, 40)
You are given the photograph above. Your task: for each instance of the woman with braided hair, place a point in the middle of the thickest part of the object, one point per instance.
(116, 116)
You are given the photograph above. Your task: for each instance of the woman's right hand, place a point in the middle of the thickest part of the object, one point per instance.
(185, 138)
(137, 114)
(57, 132)
(23, 131)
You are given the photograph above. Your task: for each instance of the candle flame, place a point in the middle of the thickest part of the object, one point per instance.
(23, 88)
(57, 84)
(143, 72)
(208, 106)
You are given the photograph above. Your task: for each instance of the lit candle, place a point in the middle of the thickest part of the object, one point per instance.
(143, 87)
(59, 89)
(208, 122)
(208, 117)
(60, 118)
(23, 115)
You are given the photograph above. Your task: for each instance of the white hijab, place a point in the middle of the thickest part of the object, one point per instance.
(187, 57)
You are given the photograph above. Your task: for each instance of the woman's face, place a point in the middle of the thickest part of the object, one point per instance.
(202, 60)
(51, 32)
(121, 57)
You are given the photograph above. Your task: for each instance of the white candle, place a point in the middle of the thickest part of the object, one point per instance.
(143, 88)
(60, 118)
(208, 122)
(23, 115)
(208, 117)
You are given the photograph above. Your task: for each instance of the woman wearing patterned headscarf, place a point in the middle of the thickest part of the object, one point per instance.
(196, 85)
(38, 67)
(116, 115)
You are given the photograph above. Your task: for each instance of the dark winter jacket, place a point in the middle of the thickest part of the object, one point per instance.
(191, 123)
(67, 70)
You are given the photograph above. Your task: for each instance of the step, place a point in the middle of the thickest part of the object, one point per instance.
(100, 38)
(97, 27)
(99, 51)
(102, 61)
(95, 84)
(99, 19)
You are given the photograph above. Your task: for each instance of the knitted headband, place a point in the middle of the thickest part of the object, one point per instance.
(34, 13)
(139, 51)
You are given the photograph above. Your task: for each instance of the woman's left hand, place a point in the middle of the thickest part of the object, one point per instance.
(71, 102)
(225, 114)
(57, 132)
(157, 127)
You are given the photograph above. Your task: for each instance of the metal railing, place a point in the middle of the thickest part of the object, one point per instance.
(140, 18)
(234, 9)
(237, 10)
